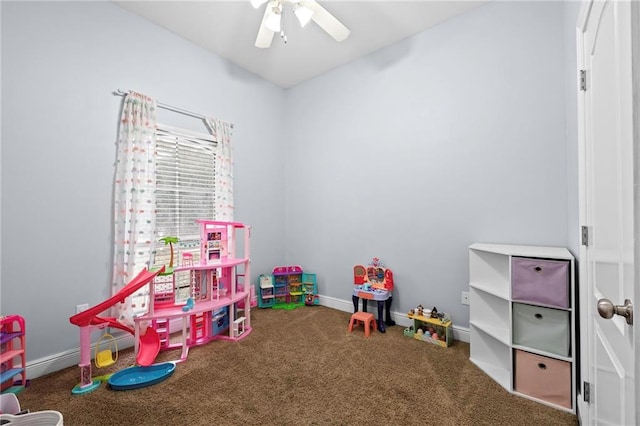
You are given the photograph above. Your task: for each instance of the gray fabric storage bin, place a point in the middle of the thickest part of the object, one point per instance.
(540, 328)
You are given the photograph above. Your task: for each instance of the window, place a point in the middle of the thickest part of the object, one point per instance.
(185, 189)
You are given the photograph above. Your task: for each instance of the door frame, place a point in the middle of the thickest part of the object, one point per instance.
(584, 317)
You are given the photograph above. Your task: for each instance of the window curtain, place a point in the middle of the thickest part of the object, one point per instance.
(221, 131)
(134, 199)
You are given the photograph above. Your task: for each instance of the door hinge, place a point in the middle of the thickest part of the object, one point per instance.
(583, 80)
(585, 236)
(586, 393)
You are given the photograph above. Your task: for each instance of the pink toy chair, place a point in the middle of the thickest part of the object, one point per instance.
(366, 318)
(187, 259)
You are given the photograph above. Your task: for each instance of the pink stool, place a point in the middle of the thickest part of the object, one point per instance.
(366, 318)
(187, 259)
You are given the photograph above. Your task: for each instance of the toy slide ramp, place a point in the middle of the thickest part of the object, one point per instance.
(86, 317)
(149, 348)
(149, 343)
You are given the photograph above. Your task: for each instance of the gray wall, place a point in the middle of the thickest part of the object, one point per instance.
(571, 10)
(454, 136)
(457, 135)
(60, 64)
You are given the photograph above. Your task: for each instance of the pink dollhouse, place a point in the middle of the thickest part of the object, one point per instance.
(205, 295)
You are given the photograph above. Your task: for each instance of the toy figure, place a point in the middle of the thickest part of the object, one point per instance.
(434, 312)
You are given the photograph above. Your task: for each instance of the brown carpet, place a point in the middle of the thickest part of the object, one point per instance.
(301, 367)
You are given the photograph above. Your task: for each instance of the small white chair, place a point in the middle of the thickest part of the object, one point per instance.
(238, 327)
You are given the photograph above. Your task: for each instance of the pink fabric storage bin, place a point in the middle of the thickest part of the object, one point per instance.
(542, 377)
(540, 281)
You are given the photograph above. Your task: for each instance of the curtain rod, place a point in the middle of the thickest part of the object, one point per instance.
(169, 107)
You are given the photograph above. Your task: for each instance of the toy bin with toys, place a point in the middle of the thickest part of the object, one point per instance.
(430, 326)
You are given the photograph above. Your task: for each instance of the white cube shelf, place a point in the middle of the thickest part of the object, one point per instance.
(505, 331)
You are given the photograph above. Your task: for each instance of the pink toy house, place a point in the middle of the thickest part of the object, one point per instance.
(205, 297)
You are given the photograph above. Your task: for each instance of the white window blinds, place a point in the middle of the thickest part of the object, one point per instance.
(185, 188)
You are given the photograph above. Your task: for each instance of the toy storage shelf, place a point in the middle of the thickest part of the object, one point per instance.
(12, 353)
(522, 321)
(444, 330)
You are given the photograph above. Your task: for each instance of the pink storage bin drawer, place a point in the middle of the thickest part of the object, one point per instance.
(542, 377)
(544, 329)
(540, 281)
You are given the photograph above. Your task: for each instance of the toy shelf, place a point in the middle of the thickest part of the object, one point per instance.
(522, 320)
(442, 328)
(12, 354)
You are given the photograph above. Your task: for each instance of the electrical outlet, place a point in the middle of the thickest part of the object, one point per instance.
(83, 307)
(465, 298)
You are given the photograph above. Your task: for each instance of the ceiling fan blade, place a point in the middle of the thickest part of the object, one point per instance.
(265, 35)
(257, 3)
(326, 20)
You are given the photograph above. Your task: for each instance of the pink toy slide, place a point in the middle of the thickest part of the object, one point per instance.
(149, 344)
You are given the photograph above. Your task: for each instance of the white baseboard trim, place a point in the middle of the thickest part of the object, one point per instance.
(459, 333)
(51, 364)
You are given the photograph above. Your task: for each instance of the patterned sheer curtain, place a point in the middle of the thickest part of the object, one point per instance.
(221, 131)
(134, 200)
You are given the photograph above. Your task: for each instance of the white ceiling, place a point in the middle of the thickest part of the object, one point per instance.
(229, 29)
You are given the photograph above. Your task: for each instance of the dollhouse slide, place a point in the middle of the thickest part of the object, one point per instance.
(149, 342)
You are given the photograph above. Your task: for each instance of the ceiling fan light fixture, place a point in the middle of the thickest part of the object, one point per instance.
(274, 17)
(303, 14)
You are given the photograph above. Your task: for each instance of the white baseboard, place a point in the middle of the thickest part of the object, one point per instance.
(50, 364)
(459, 333)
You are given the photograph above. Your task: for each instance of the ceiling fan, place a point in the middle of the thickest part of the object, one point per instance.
(304, 10)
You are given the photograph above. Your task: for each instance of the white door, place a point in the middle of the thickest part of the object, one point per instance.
(607, 194)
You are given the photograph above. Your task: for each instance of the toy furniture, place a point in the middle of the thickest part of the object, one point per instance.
(364, 318)
(238, 327)
(266, 296)
(374, 282)
(287, 288)
(205, 294)
(12, 354)
(109, 355)
(438, 331)
(522, 320)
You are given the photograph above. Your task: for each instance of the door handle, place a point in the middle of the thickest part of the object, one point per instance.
(607, 309)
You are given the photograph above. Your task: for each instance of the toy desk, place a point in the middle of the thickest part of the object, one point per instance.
(371, 293)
